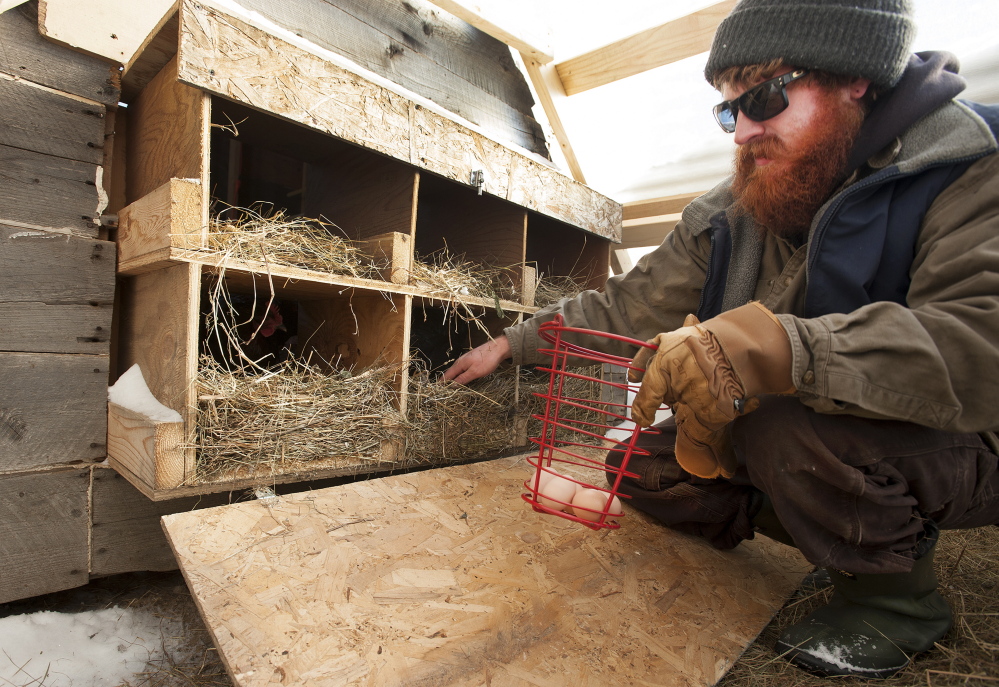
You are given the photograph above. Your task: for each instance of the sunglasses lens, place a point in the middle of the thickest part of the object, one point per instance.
(725, 116)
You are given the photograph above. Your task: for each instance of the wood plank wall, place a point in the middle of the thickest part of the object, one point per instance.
(428, 51)
(56, 295)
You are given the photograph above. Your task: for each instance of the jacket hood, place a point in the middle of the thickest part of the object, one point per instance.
(929, 81)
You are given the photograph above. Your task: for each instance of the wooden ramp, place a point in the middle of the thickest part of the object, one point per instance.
(446, 577)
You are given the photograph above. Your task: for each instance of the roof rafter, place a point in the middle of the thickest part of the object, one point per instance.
(675, 40)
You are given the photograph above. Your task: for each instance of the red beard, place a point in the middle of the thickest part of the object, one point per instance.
(783, 196)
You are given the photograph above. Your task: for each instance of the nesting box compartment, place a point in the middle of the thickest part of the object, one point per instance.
(201, 140)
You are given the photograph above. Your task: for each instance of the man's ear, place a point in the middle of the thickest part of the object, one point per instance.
(858, 88)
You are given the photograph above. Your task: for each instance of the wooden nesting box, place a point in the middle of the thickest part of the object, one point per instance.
(221, 111)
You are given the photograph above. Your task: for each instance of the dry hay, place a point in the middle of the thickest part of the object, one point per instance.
(450, 422)
(453, 278)
(967, 565)
(461, 422)
(259, 233)
(289, 417)
(537, 383)
(553, 288)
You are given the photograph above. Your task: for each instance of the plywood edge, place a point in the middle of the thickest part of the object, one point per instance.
(393, 248)
(169, 216)
(150, 454)
(292, 78)
(153, 54)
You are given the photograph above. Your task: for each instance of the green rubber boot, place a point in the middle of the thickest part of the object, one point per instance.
(873, 624)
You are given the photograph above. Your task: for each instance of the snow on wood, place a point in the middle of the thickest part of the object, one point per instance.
(131, 393)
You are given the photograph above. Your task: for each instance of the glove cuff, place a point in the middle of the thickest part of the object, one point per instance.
(757, 347)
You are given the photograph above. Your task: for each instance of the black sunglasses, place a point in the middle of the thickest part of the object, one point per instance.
(759, 103)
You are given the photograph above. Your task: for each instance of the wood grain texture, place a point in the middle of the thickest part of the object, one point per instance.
(44, 529)
(152, 451)
(363, 194)
(27, 55)
(53, 409)
(54, 268)
(56, 292)
(670, 42)
(49, 192)
(113, 30)
(126, 535)
(167, 134)
(159, 331)
(556, 249)
(481, 228)
(518, 23)
(224, 55)
(45, 122)
(447, 577)
(167, 216)
(653, 207)
(426, 51)
(356, 329)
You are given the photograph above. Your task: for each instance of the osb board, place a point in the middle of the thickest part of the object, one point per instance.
(446, 577)
(225, 55)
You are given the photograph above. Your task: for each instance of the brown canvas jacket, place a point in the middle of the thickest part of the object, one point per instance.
(935, 363)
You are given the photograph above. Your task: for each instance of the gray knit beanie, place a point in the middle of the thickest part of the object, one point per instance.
(865, 38)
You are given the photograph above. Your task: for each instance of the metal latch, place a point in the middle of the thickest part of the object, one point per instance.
(478, 179)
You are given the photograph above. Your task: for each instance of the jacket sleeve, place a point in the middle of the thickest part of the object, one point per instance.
(935, 363)
(653, 297)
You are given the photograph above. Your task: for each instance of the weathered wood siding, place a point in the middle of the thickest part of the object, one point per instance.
(424, 49)
(44, 531)
(56, 292)
(27, 55)
(57, 282)
(126, 531)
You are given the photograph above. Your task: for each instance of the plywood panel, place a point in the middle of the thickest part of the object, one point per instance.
(232, 58)
(43, 532)
(159, 331)
(167, 134)
(363, 194)
(446, 577)
(113, 29)
(28, 56)
(53, 409)
(481, 228)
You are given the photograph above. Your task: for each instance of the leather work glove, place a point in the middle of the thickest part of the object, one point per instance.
(710, 373)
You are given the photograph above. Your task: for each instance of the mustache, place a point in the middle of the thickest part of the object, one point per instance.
(770, 147)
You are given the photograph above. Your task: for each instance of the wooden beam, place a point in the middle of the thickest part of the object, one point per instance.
(646, 235)
(514, 22)
(654, 207)
(548, 87)
(113, 29)
(655, 47)
(654, 219)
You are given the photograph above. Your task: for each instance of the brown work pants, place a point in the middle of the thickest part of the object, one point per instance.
(853, 493)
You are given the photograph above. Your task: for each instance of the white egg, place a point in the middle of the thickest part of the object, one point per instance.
(594, 500)
(559, 492)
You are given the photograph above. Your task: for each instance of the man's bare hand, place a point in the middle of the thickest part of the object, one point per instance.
(479, 361)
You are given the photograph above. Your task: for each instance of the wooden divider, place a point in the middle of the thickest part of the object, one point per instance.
(558, 249)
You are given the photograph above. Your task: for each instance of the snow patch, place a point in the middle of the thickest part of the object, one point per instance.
(91, 649)
(130, 392)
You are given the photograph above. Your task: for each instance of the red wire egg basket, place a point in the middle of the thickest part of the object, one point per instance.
(563, 435)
